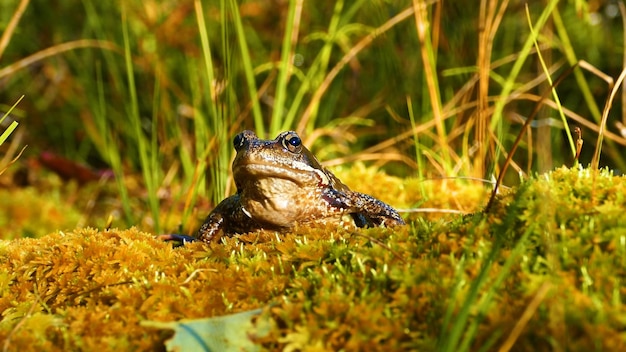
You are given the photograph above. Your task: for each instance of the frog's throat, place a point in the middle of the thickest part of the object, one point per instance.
(295, 172)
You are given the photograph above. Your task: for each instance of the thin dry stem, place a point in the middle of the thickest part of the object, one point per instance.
(55, 50)
(525, 318)
(361, 156)
(434, 210)
(294, 34)
(605, 115)
(589, 67)
(437, 6)
(489, 21)
(498, 142)
(484, 68)
(15, 19)
(17, 138)
(622, 10)
(421, 25)
(13, 160)
(574, 116)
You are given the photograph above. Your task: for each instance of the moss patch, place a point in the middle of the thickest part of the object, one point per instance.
(544, 271)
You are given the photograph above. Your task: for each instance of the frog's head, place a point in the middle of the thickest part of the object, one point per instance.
(276, 166)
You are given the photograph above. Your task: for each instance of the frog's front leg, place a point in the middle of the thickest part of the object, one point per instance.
(227, 217)
(376, 211)
(365, 209)
(217, 220)
(211, 226)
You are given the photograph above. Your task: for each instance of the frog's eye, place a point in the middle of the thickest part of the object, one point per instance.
(293, 143)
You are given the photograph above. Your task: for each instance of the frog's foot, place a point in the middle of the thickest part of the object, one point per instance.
(366, 211)
(182, 239)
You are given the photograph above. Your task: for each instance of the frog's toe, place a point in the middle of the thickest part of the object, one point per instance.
(361, 220)
(182, 239)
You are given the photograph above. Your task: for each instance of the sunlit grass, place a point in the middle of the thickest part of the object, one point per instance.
(12, 126)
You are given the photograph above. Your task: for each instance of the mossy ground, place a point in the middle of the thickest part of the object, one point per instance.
(544, 271)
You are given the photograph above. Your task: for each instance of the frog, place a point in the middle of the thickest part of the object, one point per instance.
(281, 185)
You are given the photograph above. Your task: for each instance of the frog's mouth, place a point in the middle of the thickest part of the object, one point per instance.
(299, 173)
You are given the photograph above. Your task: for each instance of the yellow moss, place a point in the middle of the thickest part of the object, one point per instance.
(25, 213)
(333, 289)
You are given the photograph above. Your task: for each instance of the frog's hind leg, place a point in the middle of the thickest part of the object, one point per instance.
(177, 238)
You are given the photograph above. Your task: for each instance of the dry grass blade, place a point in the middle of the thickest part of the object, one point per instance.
(576, 117)
(57, 49)
(525, 318)
(381, 158)
(421, 25)
(8, 32)
(622, 11)
(382, 244)
(605, 115)
(434, 211)
(489, 22)
(13, 160)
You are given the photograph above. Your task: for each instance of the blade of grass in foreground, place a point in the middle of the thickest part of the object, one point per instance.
(464, 329)
(12, 126)
(150, 174)
(8, 131)
(487, 299)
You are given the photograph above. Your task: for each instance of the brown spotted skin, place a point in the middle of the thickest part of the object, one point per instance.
(280, 184)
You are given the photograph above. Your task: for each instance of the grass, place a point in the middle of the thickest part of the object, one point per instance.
(12, 126)
(163, 87)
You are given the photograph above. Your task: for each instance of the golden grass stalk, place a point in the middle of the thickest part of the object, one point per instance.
(15, 19)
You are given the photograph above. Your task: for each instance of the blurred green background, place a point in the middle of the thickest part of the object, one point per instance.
(154, 91)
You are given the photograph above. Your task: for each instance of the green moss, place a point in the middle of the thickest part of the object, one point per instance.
(558, 240)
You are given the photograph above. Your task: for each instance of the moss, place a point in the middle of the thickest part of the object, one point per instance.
(25, 213)
(376, 289)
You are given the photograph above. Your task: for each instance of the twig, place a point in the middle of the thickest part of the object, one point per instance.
(532, 116)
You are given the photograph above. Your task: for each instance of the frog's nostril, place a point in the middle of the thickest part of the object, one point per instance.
(243, 139)
(237, 141)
